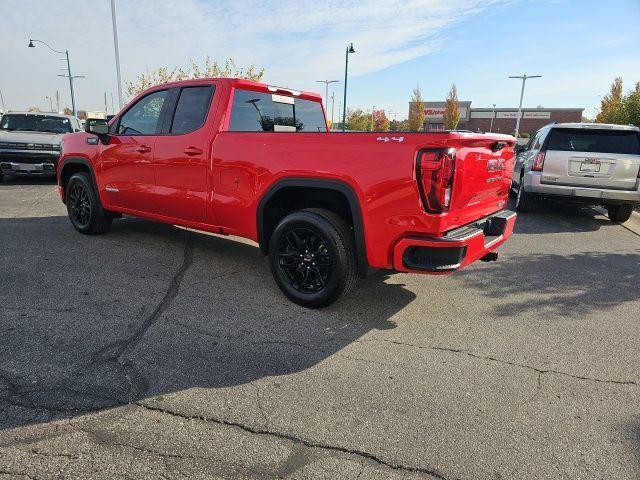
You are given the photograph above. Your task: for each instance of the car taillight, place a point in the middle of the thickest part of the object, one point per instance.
(434, 171)
(538, 163)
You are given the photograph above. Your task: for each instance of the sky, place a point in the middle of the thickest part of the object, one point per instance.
(578, 46)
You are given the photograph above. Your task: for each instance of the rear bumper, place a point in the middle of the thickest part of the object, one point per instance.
(456, 249)
(533, 184)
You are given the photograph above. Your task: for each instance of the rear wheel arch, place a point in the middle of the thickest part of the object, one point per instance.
(292, 194)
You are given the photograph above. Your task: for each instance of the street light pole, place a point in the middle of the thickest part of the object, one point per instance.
(333, 105)
(117, 51)
(50, 102)
(69, 76)
(326, 93)
(524, 79)
(4, 110)
(492, 117)
(373, 109)
(346, 68)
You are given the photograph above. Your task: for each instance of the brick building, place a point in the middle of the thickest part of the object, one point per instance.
(504, 119)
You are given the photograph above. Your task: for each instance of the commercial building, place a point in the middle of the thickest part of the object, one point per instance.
(504, 119)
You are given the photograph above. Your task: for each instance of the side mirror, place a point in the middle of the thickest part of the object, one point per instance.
(97, 126)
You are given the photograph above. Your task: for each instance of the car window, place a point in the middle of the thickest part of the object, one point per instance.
(142, 118)
(192, 108)
(264, 112)
(596, 140)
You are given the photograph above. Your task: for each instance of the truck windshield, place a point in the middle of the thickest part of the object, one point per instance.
(596, 140)
(264, 112)
(35, 123)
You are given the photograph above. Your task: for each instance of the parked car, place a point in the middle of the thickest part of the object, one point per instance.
(591, 163)
(236, 157)
(30, 142)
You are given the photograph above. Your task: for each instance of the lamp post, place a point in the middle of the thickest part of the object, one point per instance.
(373, 109)
(4, 110)
(117, 52)
(68, 75)
(350, 49)
(524, 79)
(326, 93)
(333, 105)
(50, 102)
(492, 117)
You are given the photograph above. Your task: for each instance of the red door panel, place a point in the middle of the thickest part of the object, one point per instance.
(127, 175)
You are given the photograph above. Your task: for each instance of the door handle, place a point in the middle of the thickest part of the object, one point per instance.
(193, 151)
(143, 149)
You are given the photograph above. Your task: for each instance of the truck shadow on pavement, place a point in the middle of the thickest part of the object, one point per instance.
(88, 323)
(556, 285)
(550, 217)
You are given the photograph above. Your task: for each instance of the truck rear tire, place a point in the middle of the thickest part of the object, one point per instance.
(312, 257)
(83, 206)
(619, 213)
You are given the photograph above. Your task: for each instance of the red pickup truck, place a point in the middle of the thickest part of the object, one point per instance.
(241, 158)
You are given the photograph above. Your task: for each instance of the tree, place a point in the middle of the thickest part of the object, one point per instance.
(358, 120)
(210, 69)
(451, 110)
(34, 109)
(416, 111)
(67, 111)
(380, 121)
(632, 106)
(611, 106)
(399, 125)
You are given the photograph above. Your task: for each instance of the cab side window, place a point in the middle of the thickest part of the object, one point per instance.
(142, 118)
(191, 109)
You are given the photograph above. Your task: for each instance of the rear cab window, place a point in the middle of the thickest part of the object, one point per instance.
(595, 140)
(191, 109)
(265, 112)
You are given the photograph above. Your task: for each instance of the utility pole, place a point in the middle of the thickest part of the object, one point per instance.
(492, 117)
(106, 109)
(117, 52)
(50, 102)
(68, 75)
(326, 93)
(524, 79)
(57, 101)
(333, 104)
(4, 110)
(373, 109)
(350, 49)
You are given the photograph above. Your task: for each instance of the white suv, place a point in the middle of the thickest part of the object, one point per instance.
(596, 164)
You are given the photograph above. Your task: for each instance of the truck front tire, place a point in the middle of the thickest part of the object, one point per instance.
(83, 206)
(312, 257)
(619, 213)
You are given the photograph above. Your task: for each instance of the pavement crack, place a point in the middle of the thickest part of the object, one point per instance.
(300, 441)
(539, 371)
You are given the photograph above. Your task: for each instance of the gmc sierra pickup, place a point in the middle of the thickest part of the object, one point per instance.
(241, 158)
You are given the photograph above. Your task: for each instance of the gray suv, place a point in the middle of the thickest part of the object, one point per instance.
(30, 142)
(591, 163)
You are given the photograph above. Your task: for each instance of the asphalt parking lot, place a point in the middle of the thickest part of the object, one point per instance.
(155, 352)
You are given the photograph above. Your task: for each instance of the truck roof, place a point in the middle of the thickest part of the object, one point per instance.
(248, 85)
(601, 126)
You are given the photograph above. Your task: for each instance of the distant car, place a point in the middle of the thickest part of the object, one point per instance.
(30, 142)
(595, 164)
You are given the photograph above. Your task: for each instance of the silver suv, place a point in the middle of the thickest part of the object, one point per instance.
(30, 142)
(592, 163)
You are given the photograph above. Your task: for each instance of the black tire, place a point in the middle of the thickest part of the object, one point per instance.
(312, 257)
(83, 206)
(525, 201)
(619, 213)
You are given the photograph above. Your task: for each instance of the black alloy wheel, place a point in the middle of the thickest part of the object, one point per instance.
(304, 260)
(79, 205)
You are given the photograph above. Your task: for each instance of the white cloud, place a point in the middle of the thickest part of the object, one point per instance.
(297, 42)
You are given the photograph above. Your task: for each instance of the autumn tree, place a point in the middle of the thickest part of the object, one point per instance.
(632, 106)
(611, 106)
(210, 69)
(358, 120)
(399, 125)
(451, 109)
(380, 121)
(416, 111)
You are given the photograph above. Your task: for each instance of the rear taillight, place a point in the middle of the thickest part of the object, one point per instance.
(538, 163)
(434, 171)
